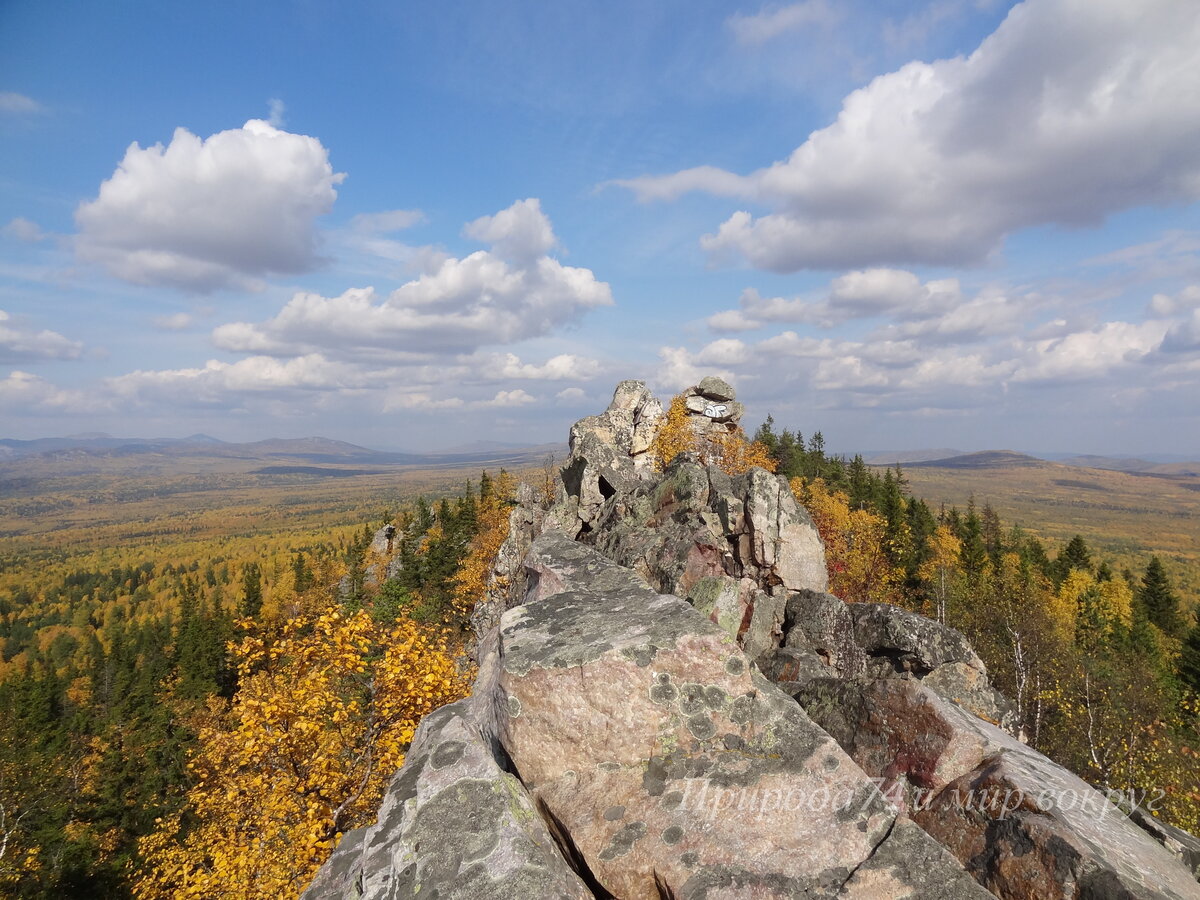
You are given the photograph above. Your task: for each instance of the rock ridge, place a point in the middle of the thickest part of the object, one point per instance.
(670, 704)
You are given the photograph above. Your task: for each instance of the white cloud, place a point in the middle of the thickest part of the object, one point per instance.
(20, 343)
(207, 214)
(1070, 111)
(28, 394)
(570, 395)
(1183, 337)
(520, 233)
(509, 399)
(771, 22)
(480, 300)
(564, 367)
(1088, 355)
(420, 401)
(679, 369)
(24, 230)
(174, 322)
(1163, 305)
(12, 102)
(862, 294)
(217, 382)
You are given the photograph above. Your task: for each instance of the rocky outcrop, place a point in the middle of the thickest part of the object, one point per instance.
(1023, 826)
(453, 823)
(636, 732)
(671, 705)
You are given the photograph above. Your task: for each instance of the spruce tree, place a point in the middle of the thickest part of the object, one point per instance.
(1159, 602)
(1075, 555)
(252, 597)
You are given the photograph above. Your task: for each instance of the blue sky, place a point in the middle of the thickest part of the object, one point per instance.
(959, 223)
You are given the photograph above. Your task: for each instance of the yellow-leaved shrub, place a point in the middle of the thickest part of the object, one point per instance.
(325, 711)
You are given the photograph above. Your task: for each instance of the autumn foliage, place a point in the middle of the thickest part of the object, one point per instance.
(860, 569)
(732, 451)
(474, 574)
(326, 709)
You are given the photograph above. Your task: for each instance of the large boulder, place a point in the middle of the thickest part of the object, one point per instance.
(1023, 826)
(453, 825)
(900, 643)
(677, 770)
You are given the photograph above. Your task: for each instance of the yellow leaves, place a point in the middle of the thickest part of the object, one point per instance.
(475, 572)
(321, 721)
(855, 545)
(675, 434)
(732, 452)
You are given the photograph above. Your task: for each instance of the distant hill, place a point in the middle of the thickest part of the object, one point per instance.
(25, 465)
(905, 457)
(987, 459)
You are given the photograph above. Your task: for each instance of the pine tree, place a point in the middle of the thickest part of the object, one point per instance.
(1156, 598)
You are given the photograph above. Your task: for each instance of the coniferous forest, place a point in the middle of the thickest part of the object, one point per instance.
(175, 718)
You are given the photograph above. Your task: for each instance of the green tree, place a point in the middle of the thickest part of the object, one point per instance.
(252, 596)
(1160, 603)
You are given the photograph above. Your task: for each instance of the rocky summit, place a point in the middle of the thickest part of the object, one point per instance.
(670, 705)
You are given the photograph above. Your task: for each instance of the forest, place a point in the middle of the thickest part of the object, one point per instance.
(177, 717)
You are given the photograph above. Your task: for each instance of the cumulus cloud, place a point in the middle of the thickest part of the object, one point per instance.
(509, 399)
(864, 294)
(29, 394)
(520, 233)
(564, 367)
(202, 214)
(490, 297)
(216, 381)
(1086, 355)
(1071, 110)
(1183, 337)
(19, 343)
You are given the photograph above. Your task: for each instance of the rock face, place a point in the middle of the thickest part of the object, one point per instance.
(670, 705)
(634, 722)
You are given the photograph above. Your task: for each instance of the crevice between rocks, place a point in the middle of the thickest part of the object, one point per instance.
(570, 852)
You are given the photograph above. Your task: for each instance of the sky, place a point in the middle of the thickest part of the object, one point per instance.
(953, 223)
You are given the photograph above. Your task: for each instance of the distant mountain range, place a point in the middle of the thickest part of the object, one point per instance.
(991, 459)
(320, 450)
(309, 449)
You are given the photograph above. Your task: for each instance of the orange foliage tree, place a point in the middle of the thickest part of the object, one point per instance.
(324, 714)
(732, 452)
(474, 575)
(856, 547)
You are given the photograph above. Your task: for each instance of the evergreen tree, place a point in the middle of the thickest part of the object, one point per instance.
(974, 553)
(1075, 555)
(1157, 600)
(252, 597)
